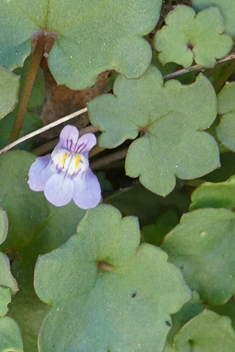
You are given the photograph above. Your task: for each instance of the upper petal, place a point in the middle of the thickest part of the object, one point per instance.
(68, 138)
(59, 189)
(85, 143)
(39, 172)
(87, 191)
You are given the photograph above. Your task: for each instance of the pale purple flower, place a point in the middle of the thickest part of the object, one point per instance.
(64, 174)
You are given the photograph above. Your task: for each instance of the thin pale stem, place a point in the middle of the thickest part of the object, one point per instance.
(29, 82)
(196, 68)
(45, 128)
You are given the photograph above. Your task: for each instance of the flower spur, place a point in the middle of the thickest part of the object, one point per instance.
(64, 174)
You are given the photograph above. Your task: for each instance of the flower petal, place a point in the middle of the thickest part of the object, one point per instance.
(85, 143)
(39, 173)
(87, 191)
(68, 138)
(59, 190)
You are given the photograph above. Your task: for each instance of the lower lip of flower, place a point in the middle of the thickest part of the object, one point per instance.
(68, 162)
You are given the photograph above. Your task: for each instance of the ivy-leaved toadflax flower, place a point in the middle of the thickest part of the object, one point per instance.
(64, 174)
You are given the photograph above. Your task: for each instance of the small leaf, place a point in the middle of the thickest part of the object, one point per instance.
(9, 88)
(206, 332)
(187, 312)
(3, 225)
(227, 9)
(187, 37)
(10, 336)
(214, 195)
(147, 206)
(226, 108)
(172, 118)
(5, 299)
(202, 246)
(122, 306)
(91, 37)
(154, 234)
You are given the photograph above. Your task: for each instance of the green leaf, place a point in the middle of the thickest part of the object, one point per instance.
(147, 206)
(187, 312)
(10, 336)
(124, 306)
(31, 123)
(214, 195)
(9, 88)
(5, 299)
(3, 225)
(154, 234)
(38, 91)
(187, 37)
(226, 108)
(36, 227)
(227, 309)
(227, 9)
(91, 37)
(202, 246)
(172, 117)
(206, 332)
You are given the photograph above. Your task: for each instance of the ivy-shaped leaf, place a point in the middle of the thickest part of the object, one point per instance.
(214, 195)
(125, 305)
(187, 37)
(206, 332)
(226, 108)
(36, 227)
(10, 336)
(203, 246)
(227, 9)
(91, 36)
(172, 118)
(9, 88)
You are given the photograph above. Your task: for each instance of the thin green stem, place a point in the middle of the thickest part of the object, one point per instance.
(29, 82)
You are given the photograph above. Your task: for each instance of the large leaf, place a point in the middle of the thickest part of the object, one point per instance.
(92, 36)
(226, 108)
(227, 9)
(125, 305)
(206, 332)
(187, 37)
(215, 195)
(9, 87)
(172, 118)
(35, 227)
(203, 246)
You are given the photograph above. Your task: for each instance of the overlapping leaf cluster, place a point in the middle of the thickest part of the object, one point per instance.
(102, 280)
